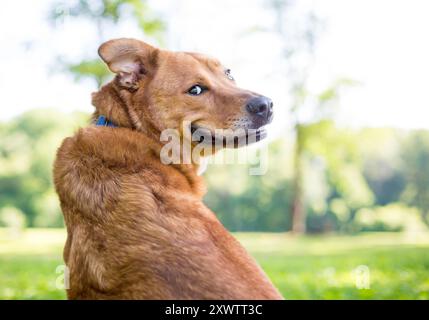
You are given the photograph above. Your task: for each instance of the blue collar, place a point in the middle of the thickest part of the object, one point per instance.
(102, 121)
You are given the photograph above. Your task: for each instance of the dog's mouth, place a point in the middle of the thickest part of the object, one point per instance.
(227, 138)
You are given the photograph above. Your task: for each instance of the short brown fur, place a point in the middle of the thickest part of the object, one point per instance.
(137, 228)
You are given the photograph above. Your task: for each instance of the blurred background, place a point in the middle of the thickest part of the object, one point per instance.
(342, 211)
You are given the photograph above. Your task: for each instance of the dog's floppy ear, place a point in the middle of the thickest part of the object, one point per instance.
(130, 59)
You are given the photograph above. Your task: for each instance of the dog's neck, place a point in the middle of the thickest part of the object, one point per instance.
(113, 102)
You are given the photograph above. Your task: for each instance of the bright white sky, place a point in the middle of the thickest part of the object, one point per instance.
(382, 44)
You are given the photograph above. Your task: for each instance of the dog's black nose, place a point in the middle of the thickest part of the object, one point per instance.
(261, 106)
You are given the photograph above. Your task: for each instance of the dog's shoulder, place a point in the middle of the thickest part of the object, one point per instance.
(91, 166)
(109, 145)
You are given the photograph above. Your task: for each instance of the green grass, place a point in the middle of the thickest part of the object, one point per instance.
(319, 267)
(325, 267)
(28, 263)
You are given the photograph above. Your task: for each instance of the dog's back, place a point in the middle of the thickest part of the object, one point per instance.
(138, 229)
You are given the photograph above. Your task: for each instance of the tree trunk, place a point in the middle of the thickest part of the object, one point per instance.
(298, 209)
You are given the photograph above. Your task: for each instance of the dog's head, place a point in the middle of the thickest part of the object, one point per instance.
(169, 88)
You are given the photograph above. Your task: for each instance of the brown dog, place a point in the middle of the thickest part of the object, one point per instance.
(137, 228)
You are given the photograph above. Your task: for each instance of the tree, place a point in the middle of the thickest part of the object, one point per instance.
(299, 28)
(298, 33)
(104, 14)
(298, 45)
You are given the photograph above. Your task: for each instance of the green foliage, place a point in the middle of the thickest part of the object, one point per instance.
(13, 218)
(321, 267)
(112, 11)
(90, 69)
(27, 151)
(393, 217)
(384, 171)
(342, 162)
(246, 203)
(415, 155)
(104, 14)
(344, 173)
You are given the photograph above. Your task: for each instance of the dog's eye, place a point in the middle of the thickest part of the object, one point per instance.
(228, 74)
(196, 90)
